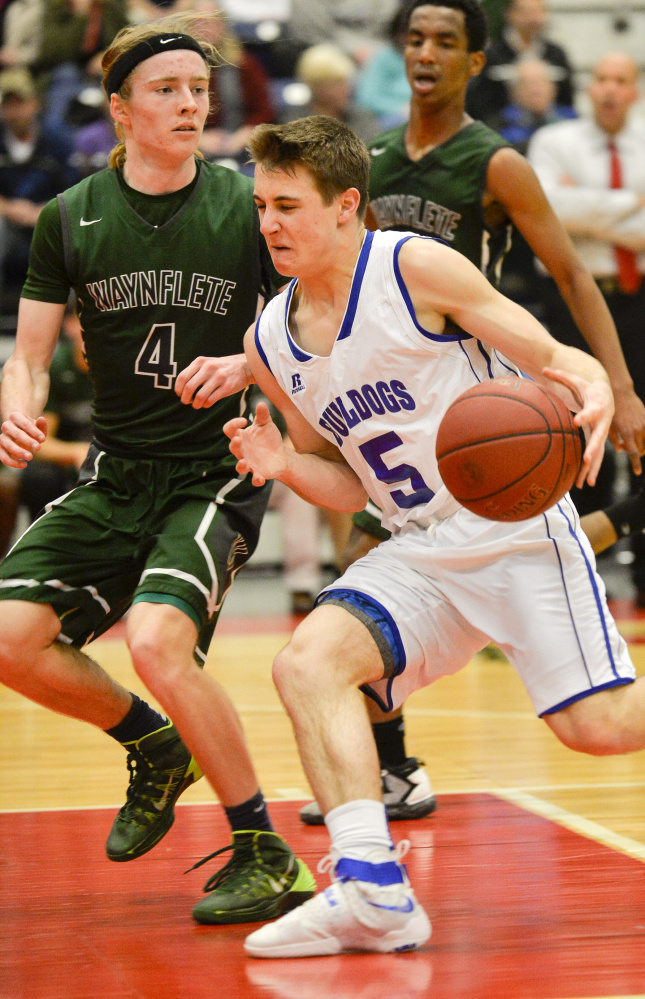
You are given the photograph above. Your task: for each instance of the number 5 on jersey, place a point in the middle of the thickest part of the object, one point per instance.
(156, 357)
(374, 449)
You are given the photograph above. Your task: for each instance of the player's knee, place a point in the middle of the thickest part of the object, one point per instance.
(161, 640)
(153, 662)
(293, 671)
(598, 725)
(598, 741)
(142, 659)
(25, 631)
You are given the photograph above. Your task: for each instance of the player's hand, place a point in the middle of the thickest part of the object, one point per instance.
(21, 437)
(627, 431)
(258, 446)
(206, 380)
(594, 402)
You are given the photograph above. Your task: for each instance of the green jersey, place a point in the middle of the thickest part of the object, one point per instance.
(440, 194)
(160, 280)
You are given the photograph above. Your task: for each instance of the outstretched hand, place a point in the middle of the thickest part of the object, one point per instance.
(21, 437)
(595, 404)
(258, 446)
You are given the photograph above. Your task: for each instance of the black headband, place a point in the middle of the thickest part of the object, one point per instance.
(124, 65)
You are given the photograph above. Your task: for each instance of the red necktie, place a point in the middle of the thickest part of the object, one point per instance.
(629, 279)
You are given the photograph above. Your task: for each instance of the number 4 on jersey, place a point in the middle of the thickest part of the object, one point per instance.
(156, 357)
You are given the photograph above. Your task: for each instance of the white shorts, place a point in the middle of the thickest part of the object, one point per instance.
(432, 599)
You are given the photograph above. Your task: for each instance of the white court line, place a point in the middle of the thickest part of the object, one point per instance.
(291, 794)
(578, 824)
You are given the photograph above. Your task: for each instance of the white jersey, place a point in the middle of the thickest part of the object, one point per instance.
(387, 383)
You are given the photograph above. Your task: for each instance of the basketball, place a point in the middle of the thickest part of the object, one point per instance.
(508, 449)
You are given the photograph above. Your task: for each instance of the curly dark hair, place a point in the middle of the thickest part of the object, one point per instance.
(474, 17)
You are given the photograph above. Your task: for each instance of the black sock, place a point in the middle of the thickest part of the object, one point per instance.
(390, 741)
(251, 814)
(140, 720)
(628, 515)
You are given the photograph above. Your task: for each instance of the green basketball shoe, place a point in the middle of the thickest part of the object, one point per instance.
(262, 880)
(160, 769)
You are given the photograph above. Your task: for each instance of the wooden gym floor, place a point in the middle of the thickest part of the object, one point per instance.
(531, 869)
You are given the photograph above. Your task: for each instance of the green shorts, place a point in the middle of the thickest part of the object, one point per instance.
(172, 531)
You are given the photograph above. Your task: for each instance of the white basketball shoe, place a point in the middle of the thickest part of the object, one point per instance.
(407, 794)
(369, 906)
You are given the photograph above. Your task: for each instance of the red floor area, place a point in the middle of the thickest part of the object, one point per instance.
(521, 908)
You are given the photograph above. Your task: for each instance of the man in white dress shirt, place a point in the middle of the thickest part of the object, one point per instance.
(593, 172)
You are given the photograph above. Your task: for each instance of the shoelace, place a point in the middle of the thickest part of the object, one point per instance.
(139, 769)
(136, 765)
(242, 854)
(331, 859)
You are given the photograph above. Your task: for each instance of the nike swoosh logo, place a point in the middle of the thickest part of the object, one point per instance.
(377, 152)
(91, 221)
(164, 41)
(161, 804)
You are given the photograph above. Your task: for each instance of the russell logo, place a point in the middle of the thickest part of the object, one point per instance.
(296, 384)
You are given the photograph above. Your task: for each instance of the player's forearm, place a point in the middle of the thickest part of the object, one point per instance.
(577, 362)
(24, 388)
(325, 483)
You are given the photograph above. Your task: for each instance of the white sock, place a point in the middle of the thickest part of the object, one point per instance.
(357, 828)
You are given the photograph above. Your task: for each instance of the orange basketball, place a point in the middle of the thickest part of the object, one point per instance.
(508, 449)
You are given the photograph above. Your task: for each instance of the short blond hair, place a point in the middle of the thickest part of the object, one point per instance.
(324, 63)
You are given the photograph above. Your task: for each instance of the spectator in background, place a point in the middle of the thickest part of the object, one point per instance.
(140, 11)
(240, 96)
(330, 76)
(68, 412)
(93, 130)
(522, 38)
(21, 33)
(593, 172)
(34, 167)
(74, 36)
(532, 105)
(355, 26)
(382, 85)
